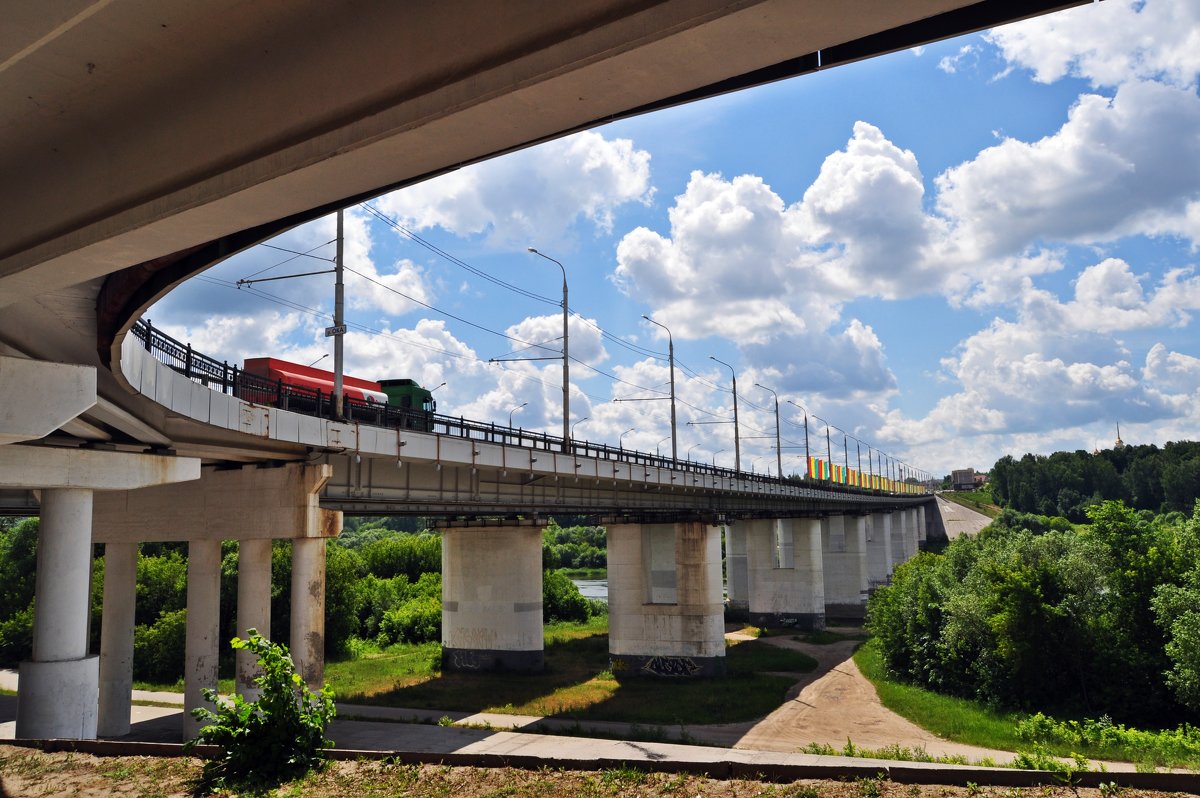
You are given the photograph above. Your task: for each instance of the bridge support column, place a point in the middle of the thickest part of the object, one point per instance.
(58, 687)
(900, 552)
(202, 646)
(787, 583)
(492, 599)
(922, 526)
(116, 639)
(664, 597)
(253, 609)
(879, 550)
(912, 533)
(736, 568)
(308, 609)
(844, 539)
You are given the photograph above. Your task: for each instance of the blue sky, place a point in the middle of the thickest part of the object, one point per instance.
(981, 247)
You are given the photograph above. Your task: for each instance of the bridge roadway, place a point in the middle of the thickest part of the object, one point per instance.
(148, 139)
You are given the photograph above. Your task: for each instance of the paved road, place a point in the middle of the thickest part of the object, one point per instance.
(960, 520)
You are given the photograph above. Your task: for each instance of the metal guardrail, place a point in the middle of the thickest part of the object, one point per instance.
(229, 379)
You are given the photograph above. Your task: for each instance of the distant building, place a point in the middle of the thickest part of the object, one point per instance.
(963, 479)
(1120, 444)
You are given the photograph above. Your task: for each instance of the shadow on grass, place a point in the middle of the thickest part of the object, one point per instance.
(577, 684)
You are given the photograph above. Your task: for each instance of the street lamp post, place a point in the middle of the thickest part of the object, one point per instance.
(515, 409)
(656, 452)
(621, 438)
(778, 449)
(737, 444)
(577, 423)
(806, 453)
(717, 452)
(565, 356)
(688, 456)
(339, 321)
(671, 360)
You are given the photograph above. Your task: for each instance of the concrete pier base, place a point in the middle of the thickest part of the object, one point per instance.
(900, 553)
(253, 610)
(879, 550)
(116, 639)
(59, 685)
(492, 599)
(844, 539)
(308, 610)
(736, 573)
(787, 586)
(664, 597)
(202, 647)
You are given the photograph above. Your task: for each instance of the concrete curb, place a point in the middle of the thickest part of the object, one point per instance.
(901, 773)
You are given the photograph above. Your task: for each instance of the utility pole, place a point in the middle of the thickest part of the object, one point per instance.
(778, 448)
(671, 359)
(566, 357)
(737, 443)
(339, 320)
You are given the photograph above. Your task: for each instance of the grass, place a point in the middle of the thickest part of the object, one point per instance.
(966, 721)
(957, 719)
(585, 573)
(576, 683)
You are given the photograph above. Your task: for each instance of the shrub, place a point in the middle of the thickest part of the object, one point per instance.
(417, 620)
(275, 739)
(561, 599)
(158, 648)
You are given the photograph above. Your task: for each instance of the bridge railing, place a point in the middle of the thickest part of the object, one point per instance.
(229, 379)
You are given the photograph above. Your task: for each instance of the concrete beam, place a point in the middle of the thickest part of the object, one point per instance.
(237, 504)
(37, 397)
(47, 467)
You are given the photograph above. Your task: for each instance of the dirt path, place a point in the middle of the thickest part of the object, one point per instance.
(830, 705)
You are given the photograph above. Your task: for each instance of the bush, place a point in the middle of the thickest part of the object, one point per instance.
(16, 637)
(275, 739)
(158, 648)
(418, 620)
(561, 600)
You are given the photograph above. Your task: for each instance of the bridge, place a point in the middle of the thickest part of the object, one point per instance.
(153, 138)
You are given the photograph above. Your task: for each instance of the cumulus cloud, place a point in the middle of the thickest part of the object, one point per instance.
(1108, 43)
(1117, 167)
(536, 194)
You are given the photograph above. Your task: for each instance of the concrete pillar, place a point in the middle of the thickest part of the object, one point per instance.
(845, 552)
(664, 600)
(899, 539)
(492, 599)
(922, 525)
(736, 574)
(253, 609)
(116, 639)
(58, 687)
(308, 610)
(879, 550)
(202, 646)
(911, 530)
(787, 584)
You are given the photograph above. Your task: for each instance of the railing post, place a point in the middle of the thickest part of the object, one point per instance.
(235, 380)
(149, 330)
(187, 362)
(225, 376)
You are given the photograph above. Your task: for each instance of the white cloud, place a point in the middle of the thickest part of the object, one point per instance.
(1117, 167)
(1108, 43)
(532, 196)
(966, 54)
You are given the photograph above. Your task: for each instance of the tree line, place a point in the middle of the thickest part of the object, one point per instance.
(382, 587)
(1068, 483)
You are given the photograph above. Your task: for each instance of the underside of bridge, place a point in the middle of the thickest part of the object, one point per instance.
(144, 140)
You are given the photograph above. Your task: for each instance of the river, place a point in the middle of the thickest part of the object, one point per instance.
(593, 588)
